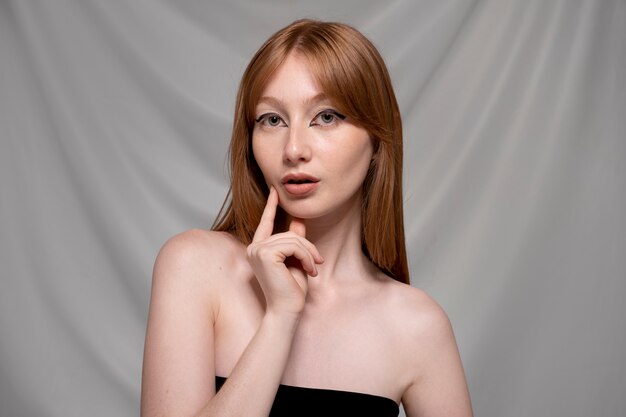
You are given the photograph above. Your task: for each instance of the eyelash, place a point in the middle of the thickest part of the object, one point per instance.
(262, 119)
(336, 115)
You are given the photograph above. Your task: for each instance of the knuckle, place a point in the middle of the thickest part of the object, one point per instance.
(261, 251)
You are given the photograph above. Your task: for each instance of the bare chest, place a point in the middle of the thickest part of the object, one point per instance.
(350, 348)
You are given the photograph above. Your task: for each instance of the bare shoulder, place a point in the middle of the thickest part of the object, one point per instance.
(195, 261)
(420, 325)
(435, 380)
(199, 251)
(417, 313)
(199, 246)
(187, 283)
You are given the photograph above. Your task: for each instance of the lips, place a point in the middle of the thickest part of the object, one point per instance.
(299, 184)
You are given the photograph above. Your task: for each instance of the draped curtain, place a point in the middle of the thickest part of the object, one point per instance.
(114, 125)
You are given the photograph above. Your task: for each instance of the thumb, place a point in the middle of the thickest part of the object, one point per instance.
(297, 226)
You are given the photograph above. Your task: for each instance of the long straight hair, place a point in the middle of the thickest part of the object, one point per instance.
(353, 75)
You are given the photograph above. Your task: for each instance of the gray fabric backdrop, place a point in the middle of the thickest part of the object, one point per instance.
(114, 123)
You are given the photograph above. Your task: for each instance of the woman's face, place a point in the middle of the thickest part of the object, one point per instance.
(306, 149)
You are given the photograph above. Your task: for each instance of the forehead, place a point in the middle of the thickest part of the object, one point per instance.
(293, 81)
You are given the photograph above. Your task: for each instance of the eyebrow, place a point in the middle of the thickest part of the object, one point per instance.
(273, 101)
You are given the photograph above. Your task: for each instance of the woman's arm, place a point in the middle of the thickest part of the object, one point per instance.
(179, 369)
(439, 388)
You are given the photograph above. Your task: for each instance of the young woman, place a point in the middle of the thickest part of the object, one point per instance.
(297, 302)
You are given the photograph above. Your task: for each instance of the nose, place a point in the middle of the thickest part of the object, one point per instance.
(297, 149)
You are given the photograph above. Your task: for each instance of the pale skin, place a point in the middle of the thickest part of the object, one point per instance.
(329, 320)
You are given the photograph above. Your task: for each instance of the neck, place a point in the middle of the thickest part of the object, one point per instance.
(338, 239)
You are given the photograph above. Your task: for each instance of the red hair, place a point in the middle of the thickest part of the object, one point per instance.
(353, 75)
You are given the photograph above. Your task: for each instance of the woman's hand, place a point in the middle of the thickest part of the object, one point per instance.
(281, 262)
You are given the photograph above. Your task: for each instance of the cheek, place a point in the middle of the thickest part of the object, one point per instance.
(353, 160)
(361, 164)
(261, 155)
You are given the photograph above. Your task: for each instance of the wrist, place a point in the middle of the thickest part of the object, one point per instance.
(283, 322)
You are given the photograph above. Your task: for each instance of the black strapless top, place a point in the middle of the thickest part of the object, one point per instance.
(308, 402)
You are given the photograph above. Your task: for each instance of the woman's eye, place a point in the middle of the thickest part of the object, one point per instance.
(327, 117)
(271, 120)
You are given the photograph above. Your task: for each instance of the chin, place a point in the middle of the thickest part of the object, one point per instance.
(315, 208)
(308, 211)
(305, 214)
(302, 209)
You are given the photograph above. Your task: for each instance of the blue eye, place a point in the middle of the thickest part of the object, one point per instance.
(327, 117)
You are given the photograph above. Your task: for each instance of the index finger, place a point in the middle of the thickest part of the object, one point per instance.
(266, 224)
